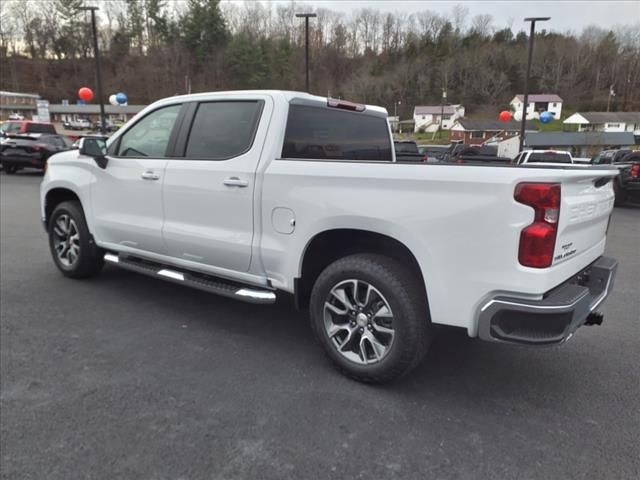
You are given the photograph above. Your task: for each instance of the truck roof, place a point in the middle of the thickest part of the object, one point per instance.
(288, 95)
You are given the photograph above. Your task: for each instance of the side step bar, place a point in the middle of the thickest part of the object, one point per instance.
(199, 281)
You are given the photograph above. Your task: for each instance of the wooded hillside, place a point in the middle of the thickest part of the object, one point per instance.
(157, 48)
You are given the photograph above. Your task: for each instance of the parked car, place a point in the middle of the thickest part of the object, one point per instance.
(543, 157)
(434, 153)
(461, 153)
(225, 192)
(26, 127)
(109, 126)
(79, 124)
(16, 116)
(407, 151)
(30, 151)
(627, 184)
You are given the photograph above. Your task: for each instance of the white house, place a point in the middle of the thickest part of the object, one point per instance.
(430, 118)
(538, 103)
(606, 121)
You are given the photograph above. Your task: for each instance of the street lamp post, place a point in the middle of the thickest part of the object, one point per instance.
(306, 17)
(525, 102)
(444, 99)
(96, 54)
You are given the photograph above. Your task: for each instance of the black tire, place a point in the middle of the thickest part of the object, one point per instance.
(405, 295)
(89, 260)
(621, 196)
(10, 169)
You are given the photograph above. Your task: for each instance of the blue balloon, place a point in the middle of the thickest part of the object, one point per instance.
(546, 117)
(121, 98)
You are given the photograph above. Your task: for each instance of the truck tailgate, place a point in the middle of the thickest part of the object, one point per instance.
(586, 205)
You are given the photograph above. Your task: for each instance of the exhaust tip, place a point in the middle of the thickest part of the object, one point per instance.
(594, 318)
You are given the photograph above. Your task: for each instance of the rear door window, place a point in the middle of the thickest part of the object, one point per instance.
(223, 130)
(323, 133)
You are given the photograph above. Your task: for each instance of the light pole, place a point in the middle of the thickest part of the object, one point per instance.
(306, 17)
(444, 99)
(533, 21)
(395, 113)
(96, 54)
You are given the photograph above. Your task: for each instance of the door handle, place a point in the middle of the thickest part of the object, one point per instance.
(150, 175)
(235, 182)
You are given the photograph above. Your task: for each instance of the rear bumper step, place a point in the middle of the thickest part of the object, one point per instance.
(199, 281)
(556, 317)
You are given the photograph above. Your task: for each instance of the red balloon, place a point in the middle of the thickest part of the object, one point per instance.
(85, 94)
(505, 116)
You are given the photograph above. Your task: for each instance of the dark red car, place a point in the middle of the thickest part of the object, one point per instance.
(26, 126)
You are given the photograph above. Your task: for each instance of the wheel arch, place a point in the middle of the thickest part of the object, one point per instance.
(55, 197)
(330, 245)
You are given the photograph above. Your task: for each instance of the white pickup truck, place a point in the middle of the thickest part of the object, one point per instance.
(543, 157)
(252, 194)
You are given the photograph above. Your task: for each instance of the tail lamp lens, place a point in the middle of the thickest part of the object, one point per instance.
(635, 170)
(538, 240)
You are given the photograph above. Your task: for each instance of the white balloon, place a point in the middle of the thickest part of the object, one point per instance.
(112, 99)
(517, 116)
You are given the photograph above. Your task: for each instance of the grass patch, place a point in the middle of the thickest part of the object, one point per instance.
(440, 138)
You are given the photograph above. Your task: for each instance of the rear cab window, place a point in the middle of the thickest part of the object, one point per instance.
(324, 133)
(549, 157)
(40, 128)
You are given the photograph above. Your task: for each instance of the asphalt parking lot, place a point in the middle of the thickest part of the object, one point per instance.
(127, 377)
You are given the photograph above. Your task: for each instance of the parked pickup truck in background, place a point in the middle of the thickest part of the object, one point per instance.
(626, 185)
(539, 157)
(407, 151)
(257, 193)
(464, 153)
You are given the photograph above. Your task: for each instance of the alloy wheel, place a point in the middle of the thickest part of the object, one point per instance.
(66, 240)
(359, 321)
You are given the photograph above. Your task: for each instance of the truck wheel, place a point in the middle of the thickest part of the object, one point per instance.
(72, 247)
(370, 315)
(620, 195)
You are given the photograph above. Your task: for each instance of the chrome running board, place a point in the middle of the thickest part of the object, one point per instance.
(196, 280)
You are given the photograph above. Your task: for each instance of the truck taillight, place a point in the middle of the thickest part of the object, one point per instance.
(538, 240)
(635, 170)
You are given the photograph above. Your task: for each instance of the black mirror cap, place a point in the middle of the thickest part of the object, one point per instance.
(95, 147)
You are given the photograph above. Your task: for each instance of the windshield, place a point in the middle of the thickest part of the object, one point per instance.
(10, 127)
(406, 147)
(601, 158)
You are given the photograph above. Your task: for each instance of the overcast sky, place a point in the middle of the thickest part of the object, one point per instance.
(565, 14)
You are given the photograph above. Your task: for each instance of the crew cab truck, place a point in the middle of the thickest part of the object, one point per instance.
(257, 193)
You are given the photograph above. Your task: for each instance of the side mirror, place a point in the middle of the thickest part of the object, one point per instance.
(96, 148)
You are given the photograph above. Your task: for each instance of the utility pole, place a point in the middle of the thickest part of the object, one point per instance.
(525, 102)
(96, 54)
(306, 17)
(444, 99)
(611, 94)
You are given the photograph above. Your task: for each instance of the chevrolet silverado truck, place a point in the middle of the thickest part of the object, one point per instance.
(259, 194)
